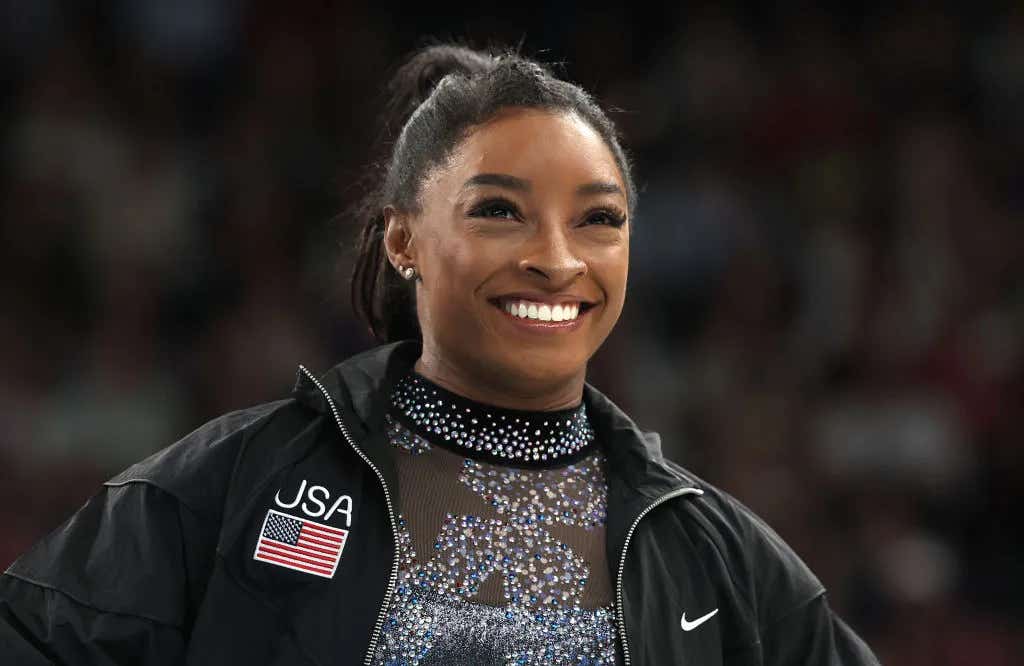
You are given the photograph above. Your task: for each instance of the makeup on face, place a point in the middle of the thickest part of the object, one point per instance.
(523, 249)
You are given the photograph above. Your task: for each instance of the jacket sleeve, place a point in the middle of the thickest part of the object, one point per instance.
(116, 584)
(814, 635)
(795, 625)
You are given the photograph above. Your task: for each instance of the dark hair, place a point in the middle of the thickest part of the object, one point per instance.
(438, 96)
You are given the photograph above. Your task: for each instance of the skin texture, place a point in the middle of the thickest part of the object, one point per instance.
(545, 237)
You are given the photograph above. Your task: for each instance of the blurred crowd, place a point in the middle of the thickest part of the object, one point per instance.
(826, 309)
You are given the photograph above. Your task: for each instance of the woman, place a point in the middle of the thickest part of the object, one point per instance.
(458, 495)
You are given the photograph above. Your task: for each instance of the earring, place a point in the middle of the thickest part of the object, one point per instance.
(409, 272)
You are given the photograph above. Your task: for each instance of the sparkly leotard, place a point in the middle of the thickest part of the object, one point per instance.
(501, 535)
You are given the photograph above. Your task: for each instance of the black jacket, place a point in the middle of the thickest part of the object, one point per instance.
(159, 568)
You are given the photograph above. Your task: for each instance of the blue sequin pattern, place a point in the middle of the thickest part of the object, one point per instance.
(433, 618)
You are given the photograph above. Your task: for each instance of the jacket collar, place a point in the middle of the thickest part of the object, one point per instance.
(637, 473)
(359, 388)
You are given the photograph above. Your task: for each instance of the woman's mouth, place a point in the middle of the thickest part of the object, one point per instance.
(565, 314)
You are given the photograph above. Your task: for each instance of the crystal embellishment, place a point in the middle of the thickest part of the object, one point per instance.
(490, 433)
(436, 616)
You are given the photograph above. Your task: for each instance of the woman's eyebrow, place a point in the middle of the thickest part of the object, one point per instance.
(515, 183)
(499, 179)
(599, 187)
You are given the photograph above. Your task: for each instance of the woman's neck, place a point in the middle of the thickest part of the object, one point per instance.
(423, 409)
(501, 390)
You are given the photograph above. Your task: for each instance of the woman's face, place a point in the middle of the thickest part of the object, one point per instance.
(522, 244)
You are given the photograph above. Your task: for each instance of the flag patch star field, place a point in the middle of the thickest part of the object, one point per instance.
(300, 544)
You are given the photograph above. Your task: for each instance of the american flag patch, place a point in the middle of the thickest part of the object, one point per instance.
(300, 544)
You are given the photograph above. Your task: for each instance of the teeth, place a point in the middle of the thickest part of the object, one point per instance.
(542, 311)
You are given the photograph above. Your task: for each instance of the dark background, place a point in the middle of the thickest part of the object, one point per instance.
(826, 307)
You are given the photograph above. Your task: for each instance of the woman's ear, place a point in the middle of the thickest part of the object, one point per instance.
(398, 239)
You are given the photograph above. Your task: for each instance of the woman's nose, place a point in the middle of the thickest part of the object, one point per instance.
(551, 255)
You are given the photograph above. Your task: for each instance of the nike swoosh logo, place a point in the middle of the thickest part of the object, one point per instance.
(693, 624)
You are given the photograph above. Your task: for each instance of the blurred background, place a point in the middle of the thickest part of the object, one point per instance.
(826, 308)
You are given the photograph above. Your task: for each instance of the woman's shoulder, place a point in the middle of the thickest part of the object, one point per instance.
(196, 469)
(770, 584)
(752, 549)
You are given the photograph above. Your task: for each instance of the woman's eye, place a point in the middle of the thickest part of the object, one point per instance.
(606, 218)
(496, 209)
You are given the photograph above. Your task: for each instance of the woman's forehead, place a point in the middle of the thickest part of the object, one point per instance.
(534, 145)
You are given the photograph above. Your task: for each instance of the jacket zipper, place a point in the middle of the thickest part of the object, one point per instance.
(375, 636)
(619, 612)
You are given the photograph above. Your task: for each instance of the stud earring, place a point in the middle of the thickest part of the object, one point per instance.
(409, 272)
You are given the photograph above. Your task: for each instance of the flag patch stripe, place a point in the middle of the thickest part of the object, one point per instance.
(315, 539)
(286, 553)
(300, 544)
(285, 562)
(326, 531)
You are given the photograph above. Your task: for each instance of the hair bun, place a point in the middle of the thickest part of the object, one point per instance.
(417, 78)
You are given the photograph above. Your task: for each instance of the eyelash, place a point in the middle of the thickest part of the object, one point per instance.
(615, 218)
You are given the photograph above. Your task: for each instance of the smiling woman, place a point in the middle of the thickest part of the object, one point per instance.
(511, 181)
(527, 213)
(460, 494)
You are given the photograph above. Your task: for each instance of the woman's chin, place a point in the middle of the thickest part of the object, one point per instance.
(543, 368)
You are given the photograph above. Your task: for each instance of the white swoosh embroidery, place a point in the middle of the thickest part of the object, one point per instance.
(690, 626)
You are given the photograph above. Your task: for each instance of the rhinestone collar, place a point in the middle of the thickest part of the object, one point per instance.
(507, 436)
